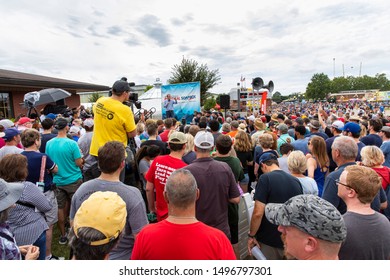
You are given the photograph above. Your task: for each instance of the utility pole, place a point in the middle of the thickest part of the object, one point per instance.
(334, 68)
(238, 98)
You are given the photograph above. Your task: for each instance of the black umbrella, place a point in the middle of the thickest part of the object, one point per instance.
(49, 95)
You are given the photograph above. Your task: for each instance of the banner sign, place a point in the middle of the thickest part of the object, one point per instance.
(187, 96)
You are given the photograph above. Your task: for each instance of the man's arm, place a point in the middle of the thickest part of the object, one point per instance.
(79, 162)
(150, 196)
(54, 170)
(257, 216)
(235, 200)
(131, 134)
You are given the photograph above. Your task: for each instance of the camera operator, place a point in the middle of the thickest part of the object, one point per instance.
(113, 120)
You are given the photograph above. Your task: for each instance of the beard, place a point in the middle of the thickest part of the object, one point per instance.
(287, 256)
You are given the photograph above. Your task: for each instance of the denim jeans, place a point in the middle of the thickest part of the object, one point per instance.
(41, 243)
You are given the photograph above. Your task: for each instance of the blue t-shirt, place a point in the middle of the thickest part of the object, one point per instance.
(372, 140)
(301, 145)
(34, 160)
(64, 152)
(385, 147)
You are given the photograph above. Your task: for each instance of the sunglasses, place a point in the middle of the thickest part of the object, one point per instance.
(337, 181)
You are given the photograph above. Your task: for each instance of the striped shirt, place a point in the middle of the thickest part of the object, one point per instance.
(26, 223)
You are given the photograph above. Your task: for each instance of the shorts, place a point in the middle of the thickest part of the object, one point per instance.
(52, 215)
(233, 222)
(246, 179)
(65, 193)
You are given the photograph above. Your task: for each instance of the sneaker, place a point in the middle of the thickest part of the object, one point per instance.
(63, 240)
(52, 258)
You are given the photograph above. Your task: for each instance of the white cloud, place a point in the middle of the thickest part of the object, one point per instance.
(284, 41)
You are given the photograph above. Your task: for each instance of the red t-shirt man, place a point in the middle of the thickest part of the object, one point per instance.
(169, 241)
(158, 174)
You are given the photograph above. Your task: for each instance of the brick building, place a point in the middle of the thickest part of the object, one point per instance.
(14, 85)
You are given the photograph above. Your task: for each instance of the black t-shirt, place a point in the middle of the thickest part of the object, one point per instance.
(162, 145)
(274, 187)
(45, 138)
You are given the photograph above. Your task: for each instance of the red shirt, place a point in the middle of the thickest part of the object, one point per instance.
(168, 241)
(384, 173)
(158, 174)
(164, 135)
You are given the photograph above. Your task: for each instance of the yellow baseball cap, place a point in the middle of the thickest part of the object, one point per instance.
(103, 211)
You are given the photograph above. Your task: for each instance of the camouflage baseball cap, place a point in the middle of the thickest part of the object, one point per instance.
(311, 214)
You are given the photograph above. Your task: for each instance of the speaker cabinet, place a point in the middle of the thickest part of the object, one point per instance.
(225, 101)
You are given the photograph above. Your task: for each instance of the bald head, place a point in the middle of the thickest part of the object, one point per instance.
(181, 189)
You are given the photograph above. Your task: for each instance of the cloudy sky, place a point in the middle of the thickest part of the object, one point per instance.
(283, 41)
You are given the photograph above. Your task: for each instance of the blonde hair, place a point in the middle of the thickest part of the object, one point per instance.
(372, 156)
(275, 138)
(190, 143)
(266, 140)
(363, 130)
(242, 142)
(296, 162)
(140, 128)
(78, 122)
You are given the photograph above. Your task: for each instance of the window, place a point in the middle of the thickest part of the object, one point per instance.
(5, 106)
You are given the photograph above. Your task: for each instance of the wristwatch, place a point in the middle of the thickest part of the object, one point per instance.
(251, 236)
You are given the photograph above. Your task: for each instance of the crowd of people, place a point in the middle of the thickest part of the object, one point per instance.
(121, 188)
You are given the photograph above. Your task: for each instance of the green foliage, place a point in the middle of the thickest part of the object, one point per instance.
(320, 84)
(148, 87)
(209, 103)
(190, 71)
(218, 100)
(94, 97)
(319, 87)
(277, 97)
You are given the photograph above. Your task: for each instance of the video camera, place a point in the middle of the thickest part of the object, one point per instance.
(133, 98)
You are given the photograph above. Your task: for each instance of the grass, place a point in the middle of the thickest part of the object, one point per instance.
(58, 249)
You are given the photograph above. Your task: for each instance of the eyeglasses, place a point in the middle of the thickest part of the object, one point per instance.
(337, 181)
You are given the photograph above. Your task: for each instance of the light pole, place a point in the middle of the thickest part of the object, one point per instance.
(334, 68)
(238, 98)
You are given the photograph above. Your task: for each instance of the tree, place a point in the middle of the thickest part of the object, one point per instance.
(148, 87)
(340, 84)
(277, 97)
(360, 83)
(94, 97)
(209, 103)
(190, 71)
(319, 87)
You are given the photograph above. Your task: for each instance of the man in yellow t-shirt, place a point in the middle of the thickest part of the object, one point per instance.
(113, 120)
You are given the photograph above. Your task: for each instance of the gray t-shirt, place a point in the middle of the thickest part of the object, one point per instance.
(84, 145)
(143, 167)
(309, 185)
(368, 237)
(136, 212)
(8, 150)
(283, 164)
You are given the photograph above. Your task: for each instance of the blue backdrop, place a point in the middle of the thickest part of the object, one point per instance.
(188, 99)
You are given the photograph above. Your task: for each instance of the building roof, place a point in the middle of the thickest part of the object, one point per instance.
(14, 78)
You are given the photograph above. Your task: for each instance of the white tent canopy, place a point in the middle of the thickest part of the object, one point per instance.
(152, 98)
